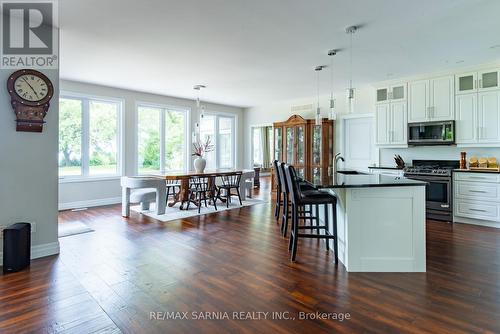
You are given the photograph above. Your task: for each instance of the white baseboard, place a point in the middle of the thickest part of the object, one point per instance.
(39, 251)
(89, 203)
(463, 220)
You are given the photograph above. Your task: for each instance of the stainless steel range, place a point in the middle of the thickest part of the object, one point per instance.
(439, 191)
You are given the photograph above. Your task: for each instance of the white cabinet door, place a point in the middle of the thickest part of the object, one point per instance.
(489, 117)
(466, 83)
(399, 123)
(442, 105)
(418, 101)
(383, 124)
(488, 80)
(466, 119)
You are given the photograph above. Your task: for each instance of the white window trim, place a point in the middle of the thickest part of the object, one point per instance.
(85, 98)
(187, 139)
(234, 141)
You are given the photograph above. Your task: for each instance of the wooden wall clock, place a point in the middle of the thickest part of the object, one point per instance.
(30, 92)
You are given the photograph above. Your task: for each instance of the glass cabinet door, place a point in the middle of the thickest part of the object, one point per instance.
(300, 172)
(398, 92)
(316, 145)
(466, 83)
(278, 143)
(290, 142)
(488, 80)
(301, 145)
(382, 94)
(316, 175)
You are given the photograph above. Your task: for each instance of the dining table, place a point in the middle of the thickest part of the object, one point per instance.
(183, 196)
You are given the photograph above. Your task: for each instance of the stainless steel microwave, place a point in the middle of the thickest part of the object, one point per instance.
(431, 133)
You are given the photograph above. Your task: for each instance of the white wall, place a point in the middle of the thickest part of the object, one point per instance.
(100, 192)
(28, 171)
(281, 111)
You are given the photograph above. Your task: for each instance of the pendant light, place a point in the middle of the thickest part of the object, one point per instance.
(318, 109)
(333, 114)
(350, 91)
(201, 111)
(199, 107)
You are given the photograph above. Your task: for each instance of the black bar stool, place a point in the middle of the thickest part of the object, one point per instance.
(299, 199)
(279, 202)
(304, 212)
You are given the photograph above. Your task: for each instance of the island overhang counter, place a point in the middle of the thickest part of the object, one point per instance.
(380, 221)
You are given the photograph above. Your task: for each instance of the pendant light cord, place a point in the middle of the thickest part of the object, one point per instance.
(317, 87)
(350, 62)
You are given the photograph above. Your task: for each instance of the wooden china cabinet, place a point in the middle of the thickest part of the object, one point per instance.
(306, 146)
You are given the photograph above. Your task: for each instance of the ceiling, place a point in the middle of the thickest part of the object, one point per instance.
(252, 52)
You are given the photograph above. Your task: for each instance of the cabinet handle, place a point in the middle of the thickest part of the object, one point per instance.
(480, 83)
(477, 191)
(478, 210)
(475, 84)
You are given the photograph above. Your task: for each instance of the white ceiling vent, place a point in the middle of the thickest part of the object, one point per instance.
(302, 109)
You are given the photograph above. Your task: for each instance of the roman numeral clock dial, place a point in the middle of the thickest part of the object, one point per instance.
(30, 93)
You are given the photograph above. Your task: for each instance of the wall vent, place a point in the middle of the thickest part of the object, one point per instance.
(302, 109)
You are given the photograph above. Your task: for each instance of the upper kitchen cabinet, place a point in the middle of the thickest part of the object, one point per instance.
(480, 81)
(478, 119)
(391, 93)
(488, 80)
(391, 124)
(391, 116)
(489, 117)
(466, 83)
(431, 100)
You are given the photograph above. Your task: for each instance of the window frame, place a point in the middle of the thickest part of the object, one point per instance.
(234, 138)
(85, 139)
(187, 142)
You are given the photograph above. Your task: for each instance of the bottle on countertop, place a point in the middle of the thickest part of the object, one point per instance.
(463, 160)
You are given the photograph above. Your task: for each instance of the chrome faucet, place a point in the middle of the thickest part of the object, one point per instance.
(336, 161)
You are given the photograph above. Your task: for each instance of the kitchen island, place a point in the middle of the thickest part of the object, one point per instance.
(380, 220)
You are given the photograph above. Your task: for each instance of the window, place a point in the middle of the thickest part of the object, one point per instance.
(89, 136)
(262, 143)
(220, 130)
(161, 139)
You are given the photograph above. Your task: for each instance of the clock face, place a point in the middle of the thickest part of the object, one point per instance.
(31, 87)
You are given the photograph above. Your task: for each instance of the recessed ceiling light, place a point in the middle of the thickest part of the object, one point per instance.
(497, 46)
(460, 61)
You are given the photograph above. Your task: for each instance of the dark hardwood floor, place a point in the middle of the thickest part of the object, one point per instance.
(236, 261)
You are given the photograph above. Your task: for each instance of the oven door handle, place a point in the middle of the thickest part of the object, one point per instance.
(445, 206)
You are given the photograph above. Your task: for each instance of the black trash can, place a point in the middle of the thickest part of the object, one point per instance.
(16, 247)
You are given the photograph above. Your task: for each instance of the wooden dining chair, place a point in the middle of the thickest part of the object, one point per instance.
(228, 183)
(201, 189)
(172, 186)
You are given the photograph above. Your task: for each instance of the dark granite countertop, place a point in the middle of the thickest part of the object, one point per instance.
(320, 179)
(476, 171)
(385, 167)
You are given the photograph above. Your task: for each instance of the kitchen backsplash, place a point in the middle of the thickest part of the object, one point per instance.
(434, 153)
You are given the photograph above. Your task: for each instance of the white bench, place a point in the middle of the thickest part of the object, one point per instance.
(144, 190)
